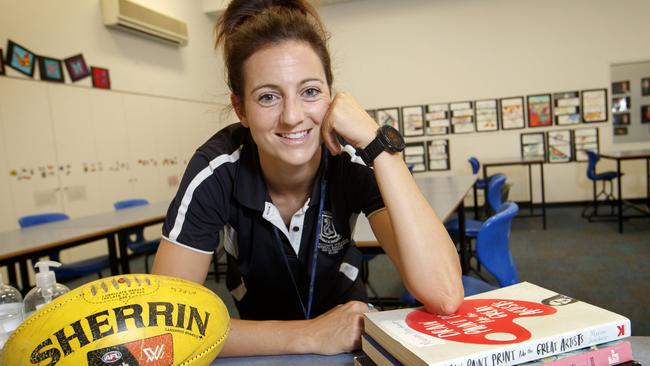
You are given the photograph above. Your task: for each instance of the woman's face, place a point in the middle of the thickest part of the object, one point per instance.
(286, 97)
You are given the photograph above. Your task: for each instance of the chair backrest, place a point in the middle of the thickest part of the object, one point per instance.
(475, 164)
(493, 245)
(135, 235)
(39, 219)
(591, 165)
(120, 205)
(495, 191)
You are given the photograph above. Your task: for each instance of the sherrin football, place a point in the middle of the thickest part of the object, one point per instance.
(129, 320)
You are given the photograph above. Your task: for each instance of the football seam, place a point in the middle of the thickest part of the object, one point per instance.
(207, 350)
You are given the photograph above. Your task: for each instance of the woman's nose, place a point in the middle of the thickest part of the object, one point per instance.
(293, 112)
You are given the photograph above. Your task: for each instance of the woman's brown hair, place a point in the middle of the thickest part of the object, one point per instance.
(250, 25)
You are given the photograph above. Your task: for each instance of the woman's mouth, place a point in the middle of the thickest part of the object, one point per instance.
(295, 137)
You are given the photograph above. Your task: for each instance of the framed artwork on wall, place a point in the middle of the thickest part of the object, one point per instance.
(101, 77)
(645, 87)
(438, 154)
(51, 69)
(389, 116)
(539, 110)
(620, 131)
(621, 119)
(621, 87)
(585, 139)
(437, 119)
(533, 145)
(487, 115)
(2, 63)
(462, 117)
(20, 58)
(512, 113)
(621, 104)
(645, 114)
(415, 157)
(413, 121)
(559, 145)
(594, 105)
(77, 68)
(566, 108)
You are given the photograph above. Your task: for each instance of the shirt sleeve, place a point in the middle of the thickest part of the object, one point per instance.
(362, 192)
(199, 211)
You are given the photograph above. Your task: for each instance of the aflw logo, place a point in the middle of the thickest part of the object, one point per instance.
(155, 354)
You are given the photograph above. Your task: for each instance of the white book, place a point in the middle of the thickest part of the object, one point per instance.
(507, 326)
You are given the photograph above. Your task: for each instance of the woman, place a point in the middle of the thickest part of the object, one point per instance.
(280, 193)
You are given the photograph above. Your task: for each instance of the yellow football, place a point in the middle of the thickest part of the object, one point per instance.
(123, 320)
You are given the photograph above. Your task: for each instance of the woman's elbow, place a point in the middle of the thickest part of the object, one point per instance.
(445, 303)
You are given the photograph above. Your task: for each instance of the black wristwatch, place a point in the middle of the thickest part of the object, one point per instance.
(388, 139)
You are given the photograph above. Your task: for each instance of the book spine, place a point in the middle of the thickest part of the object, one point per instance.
(611, 355)
(533, 350)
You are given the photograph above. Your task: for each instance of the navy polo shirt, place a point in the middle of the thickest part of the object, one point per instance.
(223, 188)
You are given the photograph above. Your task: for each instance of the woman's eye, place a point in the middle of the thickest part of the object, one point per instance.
(311, 92)
(267, 98)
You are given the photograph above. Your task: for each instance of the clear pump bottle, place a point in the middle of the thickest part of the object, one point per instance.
(46, 290)
(11, 311)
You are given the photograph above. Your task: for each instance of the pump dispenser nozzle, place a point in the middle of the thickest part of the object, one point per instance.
(45, 278)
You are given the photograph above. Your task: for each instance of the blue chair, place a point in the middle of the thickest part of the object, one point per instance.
(493, 252)
(136, 242)
(604, 178)
(67, 271)
(480, 183)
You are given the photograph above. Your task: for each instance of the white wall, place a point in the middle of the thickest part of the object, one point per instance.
(399, 53)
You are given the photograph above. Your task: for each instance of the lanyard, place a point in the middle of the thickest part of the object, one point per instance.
(312, 276)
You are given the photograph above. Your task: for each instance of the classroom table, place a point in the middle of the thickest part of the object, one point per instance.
(529, 162)
(640, 350)
(619, 156)
(445, 194)
(18, 245)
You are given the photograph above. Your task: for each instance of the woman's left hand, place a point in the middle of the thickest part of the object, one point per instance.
(345, 117)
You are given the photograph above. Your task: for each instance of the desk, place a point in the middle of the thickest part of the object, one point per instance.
(21, 244)
(619, 156)
(522, 161)
(445, 194)
(640, 350)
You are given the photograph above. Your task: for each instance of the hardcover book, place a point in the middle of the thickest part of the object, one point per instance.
(507, 326)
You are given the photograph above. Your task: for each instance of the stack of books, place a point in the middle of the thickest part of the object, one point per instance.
(518, 324)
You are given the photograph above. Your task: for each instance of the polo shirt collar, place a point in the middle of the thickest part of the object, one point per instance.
(250, 187)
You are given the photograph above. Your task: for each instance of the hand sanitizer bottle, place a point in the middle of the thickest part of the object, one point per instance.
(11, 311)
(46, 288)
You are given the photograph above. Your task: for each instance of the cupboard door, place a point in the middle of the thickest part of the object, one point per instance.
(29, 147)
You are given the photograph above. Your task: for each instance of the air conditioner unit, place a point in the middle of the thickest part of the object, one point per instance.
(129, 16)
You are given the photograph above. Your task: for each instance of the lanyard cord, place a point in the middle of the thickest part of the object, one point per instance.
(314, 257)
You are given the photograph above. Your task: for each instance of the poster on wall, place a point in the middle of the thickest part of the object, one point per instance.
(438, 154)
(20, 58)
(539, 110)
(621, 87)
(2, 63)
(101, 78)
(389, 116)
(645, 114)
(621, 104)
(413, 121)
(77, 68)
(585, 139)
(414, 157)
(51, 69)
(487, 115)
(533, 145)
(512, 113)
(620, 131)
(621, 119)
(559, 146)
(594, 105)
(462, 117)
(645, 87)
(566, 108)
(437, 118)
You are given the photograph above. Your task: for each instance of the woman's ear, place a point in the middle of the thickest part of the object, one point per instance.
(238, 106)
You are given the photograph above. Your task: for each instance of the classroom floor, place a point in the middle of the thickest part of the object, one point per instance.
(588, 261)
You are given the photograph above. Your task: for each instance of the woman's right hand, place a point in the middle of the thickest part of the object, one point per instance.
(339, 330)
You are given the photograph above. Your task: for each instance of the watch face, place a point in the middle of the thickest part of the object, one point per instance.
(395, 139)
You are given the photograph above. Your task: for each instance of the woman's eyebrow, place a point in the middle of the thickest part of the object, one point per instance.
(275, 86)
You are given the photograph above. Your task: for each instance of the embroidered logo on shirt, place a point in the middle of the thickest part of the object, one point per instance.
(331, 242)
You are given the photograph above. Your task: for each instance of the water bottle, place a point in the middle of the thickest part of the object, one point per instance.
(11, 311)
(46, 290)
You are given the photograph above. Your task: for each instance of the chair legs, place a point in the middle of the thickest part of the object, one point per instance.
(607, 198)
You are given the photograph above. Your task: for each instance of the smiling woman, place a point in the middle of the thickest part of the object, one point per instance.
(286, 193)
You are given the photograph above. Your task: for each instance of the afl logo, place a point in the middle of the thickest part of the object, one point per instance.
(112, 356)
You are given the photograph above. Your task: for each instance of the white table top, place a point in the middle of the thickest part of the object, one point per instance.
(444, 194)
(23, 241)
(626, 154)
